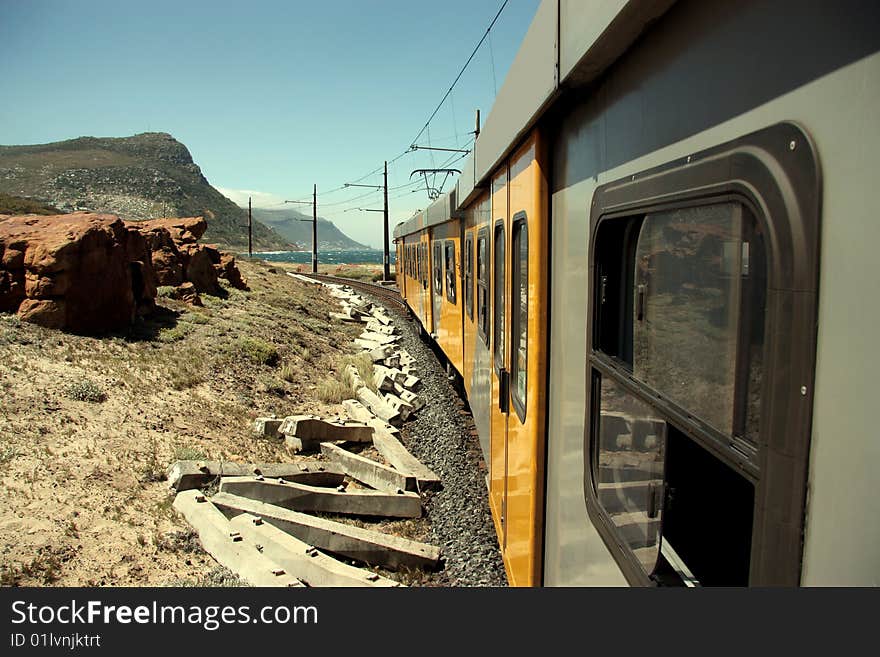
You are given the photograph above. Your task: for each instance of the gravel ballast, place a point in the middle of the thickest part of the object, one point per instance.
(442, 436)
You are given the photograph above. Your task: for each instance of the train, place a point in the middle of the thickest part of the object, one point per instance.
(653, 280)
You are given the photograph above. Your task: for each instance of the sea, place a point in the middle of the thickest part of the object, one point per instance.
(328, 257)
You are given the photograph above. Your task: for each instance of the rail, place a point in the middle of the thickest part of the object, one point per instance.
(390, 294)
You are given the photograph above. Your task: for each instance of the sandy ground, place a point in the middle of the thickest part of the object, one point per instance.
(89, 426)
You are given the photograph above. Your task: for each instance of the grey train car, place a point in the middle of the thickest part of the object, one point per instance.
(659, 265)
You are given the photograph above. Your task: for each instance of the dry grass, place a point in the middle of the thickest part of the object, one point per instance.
(186, 383)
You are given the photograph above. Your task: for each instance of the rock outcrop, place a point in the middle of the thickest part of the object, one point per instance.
(86, 273)
(178, 257)
(92, 273)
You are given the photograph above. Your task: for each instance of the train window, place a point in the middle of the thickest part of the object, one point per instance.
(469, 276)
(449, 257)
(520, 310)
(630, 464)
(498, 302)
(438, 268)
(682, 375)
(483, 285)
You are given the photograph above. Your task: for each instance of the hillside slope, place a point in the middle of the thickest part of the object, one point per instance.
(141, 177)
(296, 227)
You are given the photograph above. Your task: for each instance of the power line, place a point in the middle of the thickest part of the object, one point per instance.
(460, 73)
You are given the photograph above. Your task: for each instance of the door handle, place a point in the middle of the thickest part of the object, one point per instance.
(640, 302)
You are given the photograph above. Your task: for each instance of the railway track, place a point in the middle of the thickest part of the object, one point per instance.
(389, 294)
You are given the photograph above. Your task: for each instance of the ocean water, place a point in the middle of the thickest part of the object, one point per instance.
(328, 257)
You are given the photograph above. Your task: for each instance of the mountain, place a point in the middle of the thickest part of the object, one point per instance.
(296, 227)
(141, 177)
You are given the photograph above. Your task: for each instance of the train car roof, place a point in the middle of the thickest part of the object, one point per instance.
(568, 44)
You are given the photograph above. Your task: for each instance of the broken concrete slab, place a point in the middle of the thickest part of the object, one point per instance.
(303, 433)
(379, 338)
(405, 409)
(411, 382)
(227, 546)
(299, 497)
(186, 475)
(381, 352)
(361, 413)
(393, 451)
(378, 406)
(409, 397)
(366, 345)
(382, 378)
(368, 471)
(391, 361)
(266, 427)
(375, 326)
(353, 542)
(301, 559)
(343, 317)
(381, 316)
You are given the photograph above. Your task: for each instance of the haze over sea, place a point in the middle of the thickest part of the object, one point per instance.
(365, 256)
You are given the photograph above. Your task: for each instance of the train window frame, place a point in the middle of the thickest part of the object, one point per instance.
(775, 173)
(483, 286)
(449, 269)
(469, 275)
(518, 227)
(498, 324)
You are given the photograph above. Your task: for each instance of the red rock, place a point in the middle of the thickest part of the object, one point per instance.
(183, 230)
(80, 272)
(227, 269)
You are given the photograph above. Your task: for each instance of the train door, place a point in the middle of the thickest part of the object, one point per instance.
(518, 358)
(498, 357)
(436, 284)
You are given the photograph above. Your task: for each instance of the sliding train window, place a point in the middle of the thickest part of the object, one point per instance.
(449, 260)
(498, 308)
(520, 310)
(698, 424)
(469, 276)
(438, 268)
(483, 285)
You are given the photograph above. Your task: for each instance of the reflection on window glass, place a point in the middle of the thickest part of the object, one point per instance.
(499, 296)
(520, 301)
(483, 285)
(438, 269)
(697, 272)
(631, 452)
(449, 248)
(469, 276)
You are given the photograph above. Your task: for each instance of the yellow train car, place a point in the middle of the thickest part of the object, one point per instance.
(661, 393)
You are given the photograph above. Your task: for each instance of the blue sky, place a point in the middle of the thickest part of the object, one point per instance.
(269, 96)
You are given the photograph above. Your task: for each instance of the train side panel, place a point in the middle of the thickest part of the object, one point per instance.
(447, 293)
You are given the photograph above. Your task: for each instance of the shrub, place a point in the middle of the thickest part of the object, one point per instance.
(86, 391)
(189, 453)
(258, 351)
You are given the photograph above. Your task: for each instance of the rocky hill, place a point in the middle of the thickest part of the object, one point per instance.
(296, 227)
(141, 177)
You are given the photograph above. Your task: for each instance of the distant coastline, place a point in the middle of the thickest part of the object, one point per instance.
(328, 257)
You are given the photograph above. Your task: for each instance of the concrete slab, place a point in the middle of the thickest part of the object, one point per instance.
(302, 560)
(353, 542)
(378, 406)
(303, 433)
(361, 413)
(367, 345)
(266, 427)
(393, 451)
(404, 408)
(345, 317)
(392, 360)
(299, 497)
(227, 546)
(380, 338)
(381, 316)
(368, 471)
(186, 475)
(381, 352)
(382, 379)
